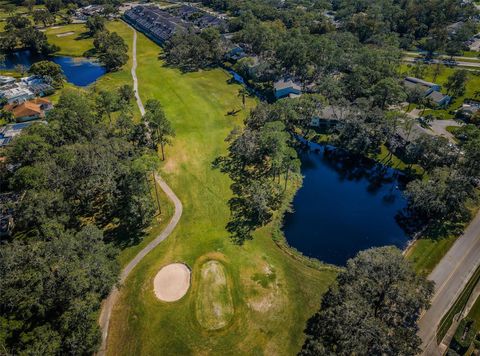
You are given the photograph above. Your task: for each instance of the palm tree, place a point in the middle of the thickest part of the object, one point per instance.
(243, 93)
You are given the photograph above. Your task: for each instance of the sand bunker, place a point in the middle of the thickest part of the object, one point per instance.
(172, 282)
(64, 34)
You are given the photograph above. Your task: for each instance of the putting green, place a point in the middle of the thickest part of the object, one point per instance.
(214, 305)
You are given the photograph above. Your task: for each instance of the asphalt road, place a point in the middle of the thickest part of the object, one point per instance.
(450, 277)
(458, 63)
(108, 303)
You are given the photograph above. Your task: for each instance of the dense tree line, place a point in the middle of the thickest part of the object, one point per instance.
(451, 177)
(19, 32)
(84, 179)
(372, 310)
(192, 51)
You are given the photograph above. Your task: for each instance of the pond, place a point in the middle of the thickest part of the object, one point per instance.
(78, 71)
(344, 207)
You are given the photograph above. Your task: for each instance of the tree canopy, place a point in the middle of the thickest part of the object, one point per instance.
(373, 309)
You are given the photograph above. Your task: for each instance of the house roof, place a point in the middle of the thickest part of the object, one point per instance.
(286, 83)
(6, 80)
(419, 81)
(28, 108)
(41, 101)
(436, 96)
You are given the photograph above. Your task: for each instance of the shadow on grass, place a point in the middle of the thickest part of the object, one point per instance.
(122, 238)
(429, 229)
(83, 36)
(92, 52)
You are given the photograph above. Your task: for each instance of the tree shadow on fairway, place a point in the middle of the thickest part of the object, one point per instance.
(123, 238)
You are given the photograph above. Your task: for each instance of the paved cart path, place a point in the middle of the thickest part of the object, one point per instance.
(108, 303)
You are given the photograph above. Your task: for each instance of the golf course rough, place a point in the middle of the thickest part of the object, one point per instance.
(214, 305)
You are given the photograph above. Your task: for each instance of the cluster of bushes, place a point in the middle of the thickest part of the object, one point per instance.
(464, 338)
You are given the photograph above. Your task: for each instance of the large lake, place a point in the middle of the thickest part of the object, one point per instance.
(78, 71)
(344, 207)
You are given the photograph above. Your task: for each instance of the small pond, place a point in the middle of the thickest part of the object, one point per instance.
(344, 207)
(78, 71)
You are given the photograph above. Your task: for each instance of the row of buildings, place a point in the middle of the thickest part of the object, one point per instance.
(160, 24)
(24, 100)
(18, 91)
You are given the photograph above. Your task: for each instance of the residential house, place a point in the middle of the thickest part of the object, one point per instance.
(438, 99)
(236, 53)
(156, 23)
(25, 89)
(453, 29)
(4, 80)
(15, 93)
(37, 85)
(161, 24)
(84, 13)
(29, 110)
(469, 109)
(286, 88)
(329, 116)
(8, 132)
(426, 87)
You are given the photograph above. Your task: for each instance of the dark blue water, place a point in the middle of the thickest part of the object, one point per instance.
(78, 71)
(342, 208)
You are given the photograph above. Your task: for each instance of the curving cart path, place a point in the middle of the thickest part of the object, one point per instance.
(108, 303)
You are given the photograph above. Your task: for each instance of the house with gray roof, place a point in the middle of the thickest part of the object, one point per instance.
(426, 87)
(438, 99)
(161, 24)
(4, 80)
(286, 87)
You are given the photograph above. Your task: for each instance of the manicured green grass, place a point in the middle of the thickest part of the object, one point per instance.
(268, 318)
(72, 45)
(473, 54)
(385, 157)
(426, 253)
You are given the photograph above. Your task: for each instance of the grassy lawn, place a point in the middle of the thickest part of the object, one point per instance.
(268, 318)
(475, 314)
(426, 253)
(75, 44)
